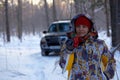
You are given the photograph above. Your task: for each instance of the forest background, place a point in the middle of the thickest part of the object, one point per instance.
(18, 17)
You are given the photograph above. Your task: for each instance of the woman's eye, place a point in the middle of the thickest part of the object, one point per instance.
(84, 26)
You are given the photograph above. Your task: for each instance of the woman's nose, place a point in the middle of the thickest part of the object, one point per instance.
(80, 27)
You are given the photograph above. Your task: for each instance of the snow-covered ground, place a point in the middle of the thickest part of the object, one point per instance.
(23, 61)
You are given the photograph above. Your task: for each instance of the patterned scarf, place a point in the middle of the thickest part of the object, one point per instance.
(79, 40)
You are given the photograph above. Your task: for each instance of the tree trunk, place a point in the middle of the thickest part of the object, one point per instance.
(54, 11)
(107, 17)
(78, 7)
(20, 19)
(7, 21)
(33, 27)
(93, 8)
(115, 21)
(46, 12)
(70, 10)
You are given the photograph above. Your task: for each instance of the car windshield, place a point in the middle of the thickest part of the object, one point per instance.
(60, 27)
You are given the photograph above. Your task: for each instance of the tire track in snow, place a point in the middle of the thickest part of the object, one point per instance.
(48, 68)
(39, 73)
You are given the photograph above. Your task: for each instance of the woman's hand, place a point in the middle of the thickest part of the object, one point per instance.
(69, 44)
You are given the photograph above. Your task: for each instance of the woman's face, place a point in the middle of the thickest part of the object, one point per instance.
(81, 30)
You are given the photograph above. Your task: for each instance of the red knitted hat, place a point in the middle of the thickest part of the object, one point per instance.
(82, 20)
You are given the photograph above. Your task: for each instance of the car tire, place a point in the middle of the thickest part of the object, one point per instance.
(44, 53)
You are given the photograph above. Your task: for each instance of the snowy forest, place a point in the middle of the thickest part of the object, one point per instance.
(19, 17)
(22, 23)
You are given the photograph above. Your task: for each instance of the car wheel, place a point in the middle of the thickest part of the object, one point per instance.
(44, 53)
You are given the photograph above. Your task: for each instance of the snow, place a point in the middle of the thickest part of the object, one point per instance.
(23, 60)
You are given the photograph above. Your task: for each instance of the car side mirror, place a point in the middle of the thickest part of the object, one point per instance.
(44, 32)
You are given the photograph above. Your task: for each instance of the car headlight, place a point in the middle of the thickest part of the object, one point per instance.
(43, 42)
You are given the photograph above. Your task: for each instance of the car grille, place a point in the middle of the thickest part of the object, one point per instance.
(52, 40)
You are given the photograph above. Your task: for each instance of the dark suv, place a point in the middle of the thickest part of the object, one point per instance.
(53, 37)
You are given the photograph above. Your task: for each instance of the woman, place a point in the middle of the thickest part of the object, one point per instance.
(83, 55)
